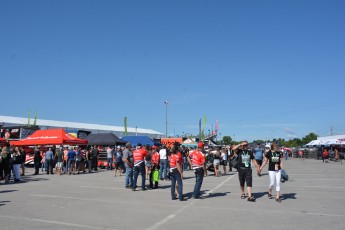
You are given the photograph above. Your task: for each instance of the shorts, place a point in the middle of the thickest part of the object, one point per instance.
(216, 162)
(245, 175)
(224, 162)
(118, 165)
(148, 163)
(58, 165)
(259, 162)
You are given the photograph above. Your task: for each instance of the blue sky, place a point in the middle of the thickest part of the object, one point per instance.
(263, 69)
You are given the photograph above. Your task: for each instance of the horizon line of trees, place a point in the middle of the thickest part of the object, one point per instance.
(227, 140)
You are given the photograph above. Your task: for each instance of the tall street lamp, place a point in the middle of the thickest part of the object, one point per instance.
(166, 118)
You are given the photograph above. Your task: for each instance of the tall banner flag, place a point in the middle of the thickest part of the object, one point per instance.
(200, 137)
(29, 119)
(216, 126)
(35, 119)
(125, 124)
(203, 128)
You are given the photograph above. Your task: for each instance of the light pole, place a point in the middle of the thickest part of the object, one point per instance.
(166, 118)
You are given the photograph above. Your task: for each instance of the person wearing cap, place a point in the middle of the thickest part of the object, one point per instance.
(275, 165)
(139, 166)
(197, 159)
(245, 157)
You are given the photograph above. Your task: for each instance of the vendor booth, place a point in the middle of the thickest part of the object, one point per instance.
(50, 137)
(104, 139)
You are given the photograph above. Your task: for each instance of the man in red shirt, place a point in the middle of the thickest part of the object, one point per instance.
(139, 166)
(197, 159)
(175, 163)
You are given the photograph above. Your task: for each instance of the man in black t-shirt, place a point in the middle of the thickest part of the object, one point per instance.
(245, 158)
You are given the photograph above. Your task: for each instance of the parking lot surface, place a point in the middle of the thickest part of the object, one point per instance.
(313, 198)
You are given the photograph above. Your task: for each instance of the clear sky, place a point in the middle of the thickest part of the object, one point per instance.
(263, 69)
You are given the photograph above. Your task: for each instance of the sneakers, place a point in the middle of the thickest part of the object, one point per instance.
(278, 200)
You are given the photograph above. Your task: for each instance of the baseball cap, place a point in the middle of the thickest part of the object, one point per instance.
(268, 146)
(200, 144)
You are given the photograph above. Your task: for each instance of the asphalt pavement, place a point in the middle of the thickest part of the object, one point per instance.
(313, 198)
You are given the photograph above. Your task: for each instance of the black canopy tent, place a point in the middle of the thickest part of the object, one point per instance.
(104, 139)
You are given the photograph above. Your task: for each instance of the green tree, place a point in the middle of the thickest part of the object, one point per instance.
(227, 140)
(310, 137)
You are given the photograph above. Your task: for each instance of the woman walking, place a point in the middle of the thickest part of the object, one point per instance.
(273, 158)
(245, 157)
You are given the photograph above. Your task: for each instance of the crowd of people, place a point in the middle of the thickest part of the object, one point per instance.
(154, 164)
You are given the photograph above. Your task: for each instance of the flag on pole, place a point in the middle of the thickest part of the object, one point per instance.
(35, 119)
(29, 118)
(125, 125)
(200, 129)
(216, 126)
(203, 128)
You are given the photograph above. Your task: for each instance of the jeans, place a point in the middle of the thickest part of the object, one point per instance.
(37, 167)
(176, 176)
(139, 169)
(129, 177)
(199, 177)
(185, 164)
(49, 168)
(16, 170)
(110, 163)
(163, 169)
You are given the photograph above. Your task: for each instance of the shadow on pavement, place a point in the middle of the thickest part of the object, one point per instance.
(218, 194)
(4, 202)
(259, 194)
(289, 196)
(6, 191)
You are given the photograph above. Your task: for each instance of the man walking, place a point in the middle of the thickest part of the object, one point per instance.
(49, 161)
(37, 160)
(163, 163)
(110, 156)
(196, 160)
(95, 154)
(139, 166)
(127, 158)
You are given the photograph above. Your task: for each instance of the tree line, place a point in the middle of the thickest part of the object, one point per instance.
(227, 140)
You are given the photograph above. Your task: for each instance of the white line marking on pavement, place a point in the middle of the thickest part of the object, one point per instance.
(172, 216)
(102, 187)
(105, 201)
(269, 211)
(52, 222)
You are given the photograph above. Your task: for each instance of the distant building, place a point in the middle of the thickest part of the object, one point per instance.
(119, 131)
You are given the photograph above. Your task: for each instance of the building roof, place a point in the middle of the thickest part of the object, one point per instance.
(7, 120)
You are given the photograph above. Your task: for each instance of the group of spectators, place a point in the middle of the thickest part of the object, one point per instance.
(66, 160)
(153, 163)
(12, 160)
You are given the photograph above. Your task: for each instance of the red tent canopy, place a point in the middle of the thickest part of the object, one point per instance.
(50, 137)
(2, 142)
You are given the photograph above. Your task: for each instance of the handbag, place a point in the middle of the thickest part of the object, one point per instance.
(234, 162)
(284, 176)
(155, 175)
